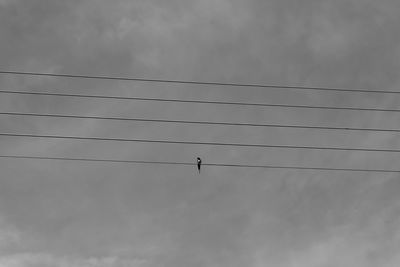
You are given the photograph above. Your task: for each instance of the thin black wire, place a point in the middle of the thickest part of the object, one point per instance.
(199, 143)
(199, 122)
(199, 101)
(197, 82)
(204, 164)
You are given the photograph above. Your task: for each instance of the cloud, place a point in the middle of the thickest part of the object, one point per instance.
(373, 240)
(9, 236)
(168, 213)
(47, 260)
(6, 2)
(347, 250)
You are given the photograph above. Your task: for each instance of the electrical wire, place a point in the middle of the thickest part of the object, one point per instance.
(199, 101)
(203, 164)
(199, 122)
(199, 143)
(197, 82)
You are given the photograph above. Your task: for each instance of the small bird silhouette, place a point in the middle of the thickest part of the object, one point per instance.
(198, 163)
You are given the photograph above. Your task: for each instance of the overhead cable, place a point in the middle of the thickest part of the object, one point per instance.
(203, 164)
(191, 101)
(104, 77)
(199, 122)
(198, 143)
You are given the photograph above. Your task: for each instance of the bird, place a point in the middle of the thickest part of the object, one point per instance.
(198, 163)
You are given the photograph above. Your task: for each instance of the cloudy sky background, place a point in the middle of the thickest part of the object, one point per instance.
(116, 215)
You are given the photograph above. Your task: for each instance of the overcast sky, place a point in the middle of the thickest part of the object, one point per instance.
(74, 214)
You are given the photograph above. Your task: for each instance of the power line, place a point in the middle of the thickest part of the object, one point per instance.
(199, 101)
(199, 143)
(197, 82)
(199, 122)
(204, 164)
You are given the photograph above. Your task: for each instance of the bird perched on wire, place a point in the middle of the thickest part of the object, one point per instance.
(198, 163)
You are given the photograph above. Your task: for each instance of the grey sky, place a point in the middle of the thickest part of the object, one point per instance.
(110, 215)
